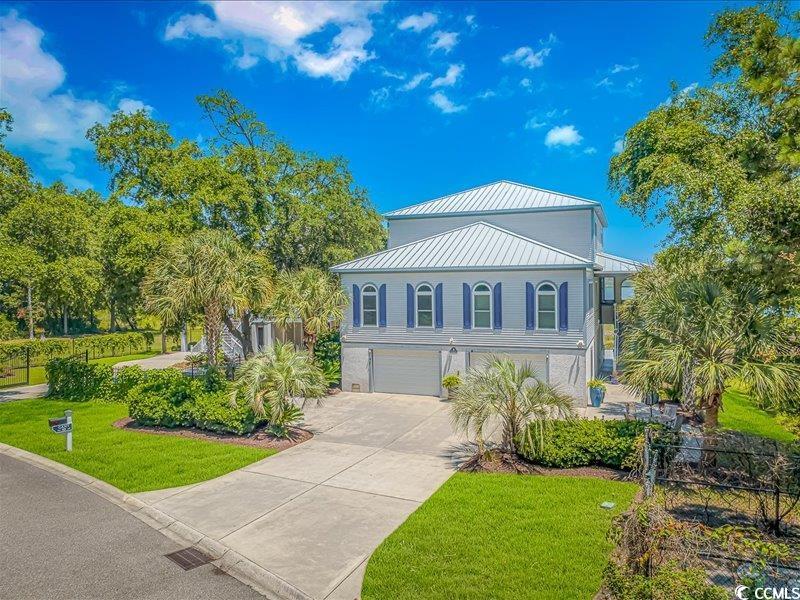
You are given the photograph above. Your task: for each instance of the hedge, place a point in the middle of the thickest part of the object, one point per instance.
(52, 347)
(589, 442)
(73, 379)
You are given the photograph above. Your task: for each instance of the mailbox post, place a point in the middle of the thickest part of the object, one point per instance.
(63, 426)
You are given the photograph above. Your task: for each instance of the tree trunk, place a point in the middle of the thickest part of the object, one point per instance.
(712, 406)
(30, 312)
(66, 321)
(112, 325)
(311, 340)
(244, 337)
(212, 326)
(163, 341)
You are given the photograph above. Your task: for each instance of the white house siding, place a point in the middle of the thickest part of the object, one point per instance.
(568, 230)
(567, 370)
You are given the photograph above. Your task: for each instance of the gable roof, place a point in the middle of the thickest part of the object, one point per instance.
(500, 196)
(477, 246)
(617, 264)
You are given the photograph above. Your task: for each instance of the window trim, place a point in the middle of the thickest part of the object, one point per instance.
(474, 304)
(553, 293)
(417, 294)
(364, 294)
(603, 298)
(629, 281)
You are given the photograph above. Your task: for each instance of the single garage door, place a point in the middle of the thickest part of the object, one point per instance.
(539, 361)
(406, 372)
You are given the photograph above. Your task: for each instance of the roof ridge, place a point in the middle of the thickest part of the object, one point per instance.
(468, 225)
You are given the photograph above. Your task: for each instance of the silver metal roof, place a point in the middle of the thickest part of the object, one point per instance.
(500, 196)
(478, 246)
(617, 264)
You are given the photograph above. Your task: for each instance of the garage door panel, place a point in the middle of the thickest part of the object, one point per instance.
(406, 372)
(537, 361)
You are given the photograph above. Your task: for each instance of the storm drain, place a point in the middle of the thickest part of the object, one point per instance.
(189, 558)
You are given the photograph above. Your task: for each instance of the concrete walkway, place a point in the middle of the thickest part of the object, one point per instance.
(25, 392)
(60, 540)
(312, 515)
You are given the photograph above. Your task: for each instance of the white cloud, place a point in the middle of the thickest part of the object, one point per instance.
(619, 146)
(379, 98)
(534, 123)
(130, 105)
(443, 103)
(470, 20)
(450, 78)
(279, 32)
(414, 82)
(486, 94)
(49, 119)
(563, 135)
(525, 82)
(590, 150)
(443, 40)
(392, 74)
(418, 23)
(622, 68)
(529, 58)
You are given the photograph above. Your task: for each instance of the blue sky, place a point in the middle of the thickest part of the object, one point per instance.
(423, 99)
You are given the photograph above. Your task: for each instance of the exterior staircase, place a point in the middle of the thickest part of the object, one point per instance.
(231, 347)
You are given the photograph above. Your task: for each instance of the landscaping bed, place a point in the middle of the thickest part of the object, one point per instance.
(261, 437)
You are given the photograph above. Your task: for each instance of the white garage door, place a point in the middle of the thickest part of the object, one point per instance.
(538, 361)
(406, 372)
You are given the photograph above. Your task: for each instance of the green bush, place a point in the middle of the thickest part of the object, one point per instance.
(164, 397)
(214, 411)
(74, 379)
(168, 398)
(327, 353)
(668, 583)
(125, 379)
(588, 442)
(37, 348)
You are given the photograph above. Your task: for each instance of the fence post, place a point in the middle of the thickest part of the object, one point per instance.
(27, 365)
(646, 458)
(86, 356)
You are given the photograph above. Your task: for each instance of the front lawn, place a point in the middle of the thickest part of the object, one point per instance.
(501, 536)
(131, 461)
(740, 413)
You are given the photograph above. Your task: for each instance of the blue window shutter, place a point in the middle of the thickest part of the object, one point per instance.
(563, 314)
(498, 306)
(439, 305)
(467, 306)
(356, 306)
(530, 306)
(409, 306)
(382, 305)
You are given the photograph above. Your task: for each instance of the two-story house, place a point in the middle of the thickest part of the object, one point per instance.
(501, 268)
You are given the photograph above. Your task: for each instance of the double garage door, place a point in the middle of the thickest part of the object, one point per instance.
(406, 372)
(478, 360)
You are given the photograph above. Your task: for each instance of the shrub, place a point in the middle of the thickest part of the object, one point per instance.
(214, 411)
(8, 328)
(46, 348)
(327, 353)
(669, 582)
(124, 380)
(596, 384)
(451, 381)
(164, 397)
(586, 442)
(74, 379)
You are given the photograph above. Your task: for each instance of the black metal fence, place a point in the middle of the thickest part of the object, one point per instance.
(16, 370)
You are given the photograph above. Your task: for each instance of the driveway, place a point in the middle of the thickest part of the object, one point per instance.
(313, 514)
(59, 540)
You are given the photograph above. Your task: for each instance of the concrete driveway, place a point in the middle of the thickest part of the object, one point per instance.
(313, 514)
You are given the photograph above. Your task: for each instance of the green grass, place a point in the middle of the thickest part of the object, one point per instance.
(740, 413)
(501, 537)
(131, 461)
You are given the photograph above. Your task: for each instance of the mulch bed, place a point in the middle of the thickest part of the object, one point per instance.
(260, 438)
(506, 462)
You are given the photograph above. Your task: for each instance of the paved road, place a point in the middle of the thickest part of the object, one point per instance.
(313, 514)
(58, 540)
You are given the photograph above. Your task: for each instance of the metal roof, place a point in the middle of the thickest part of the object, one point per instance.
(617, 264)
(477, 246)
(500, 196)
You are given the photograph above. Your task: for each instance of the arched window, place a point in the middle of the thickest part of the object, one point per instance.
(626, 290)
(369, 306)
(546, 307)
(424, 305)
(482, 306)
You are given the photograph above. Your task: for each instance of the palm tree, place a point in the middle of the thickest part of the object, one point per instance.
(685, 329)
(207, 272)
(312, 296)
(511, 394)
(270, 380)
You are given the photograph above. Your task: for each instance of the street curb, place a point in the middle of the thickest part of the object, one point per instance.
(261, 580)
